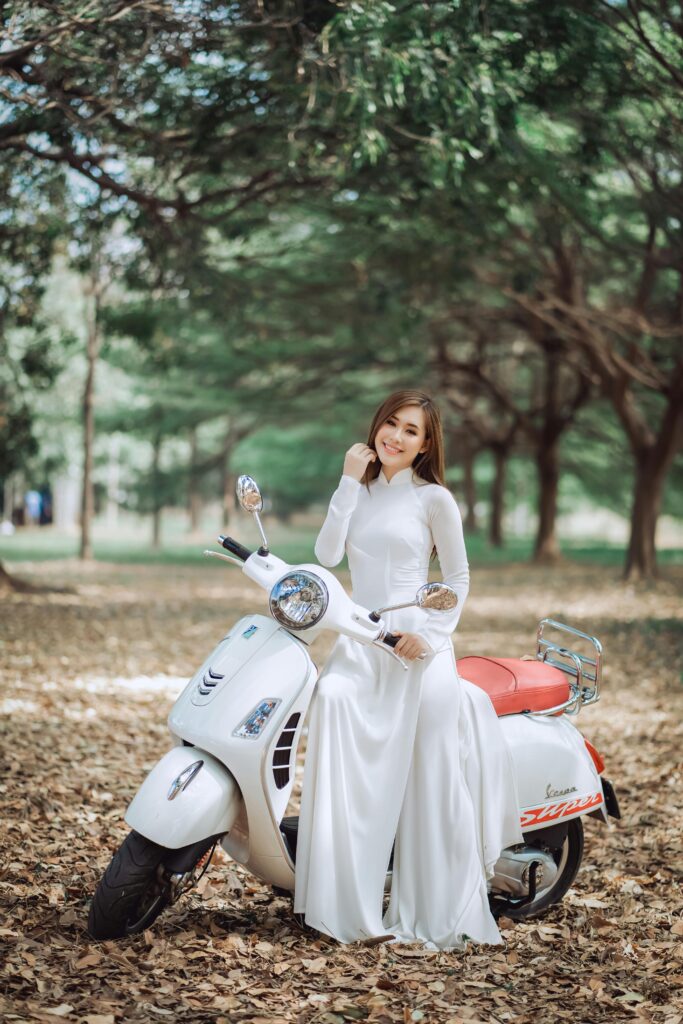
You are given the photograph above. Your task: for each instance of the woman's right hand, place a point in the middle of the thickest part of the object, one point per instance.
(356, 460)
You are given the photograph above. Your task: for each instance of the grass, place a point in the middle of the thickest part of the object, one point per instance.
(132, 544)
(294, 543)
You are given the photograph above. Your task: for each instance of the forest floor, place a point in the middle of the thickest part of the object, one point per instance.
(88, 674)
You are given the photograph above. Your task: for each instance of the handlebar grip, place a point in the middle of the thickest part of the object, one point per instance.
(391, 639)
(234, 547)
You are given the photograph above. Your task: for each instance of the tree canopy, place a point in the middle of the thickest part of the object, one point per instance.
(313, 202)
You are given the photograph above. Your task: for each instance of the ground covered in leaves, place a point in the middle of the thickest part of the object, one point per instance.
(88, 674)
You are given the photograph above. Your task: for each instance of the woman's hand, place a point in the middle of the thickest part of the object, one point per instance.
(410, 646)
(356, 460)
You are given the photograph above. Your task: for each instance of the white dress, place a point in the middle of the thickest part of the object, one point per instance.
(414, 756)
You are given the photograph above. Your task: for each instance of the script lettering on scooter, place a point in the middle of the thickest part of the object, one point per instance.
(549, 792)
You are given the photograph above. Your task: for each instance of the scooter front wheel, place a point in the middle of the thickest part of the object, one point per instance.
(141, 880)
(131, 893)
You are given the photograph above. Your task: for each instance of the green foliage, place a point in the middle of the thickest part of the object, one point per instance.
(306, 205)
(294, 466)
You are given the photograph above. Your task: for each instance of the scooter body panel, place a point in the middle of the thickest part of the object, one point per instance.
(257, 662)
(556, 777)
(260, 681)
(206, 806)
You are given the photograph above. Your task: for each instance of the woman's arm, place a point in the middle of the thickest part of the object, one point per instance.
(329, 547)
(446, 525)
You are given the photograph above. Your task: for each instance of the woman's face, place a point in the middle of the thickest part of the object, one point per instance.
(401, 438)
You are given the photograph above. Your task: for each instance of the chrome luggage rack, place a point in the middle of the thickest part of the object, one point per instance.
(584, 669)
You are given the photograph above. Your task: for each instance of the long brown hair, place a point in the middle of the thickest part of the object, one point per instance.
(429, 464)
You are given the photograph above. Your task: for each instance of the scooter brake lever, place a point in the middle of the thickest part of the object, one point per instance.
(226, 558)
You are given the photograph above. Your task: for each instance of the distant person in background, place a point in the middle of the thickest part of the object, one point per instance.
(417, 755)
(45, 506)
(33, 504)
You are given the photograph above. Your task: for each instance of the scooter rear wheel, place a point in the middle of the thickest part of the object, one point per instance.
(568, 859)
(131, 894)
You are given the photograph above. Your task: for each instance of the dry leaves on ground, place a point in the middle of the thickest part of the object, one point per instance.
(78, 737)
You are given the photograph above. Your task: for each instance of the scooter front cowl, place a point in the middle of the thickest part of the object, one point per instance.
(187, 796)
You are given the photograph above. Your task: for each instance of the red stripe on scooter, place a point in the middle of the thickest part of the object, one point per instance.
(551, 812)
(597, 760)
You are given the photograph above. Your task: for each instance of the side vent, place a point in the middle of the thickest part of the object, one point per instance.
(209, 681)
(283, 752)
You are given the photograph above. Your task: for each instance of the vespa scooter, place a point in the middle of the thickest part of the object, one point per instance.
(237, 726)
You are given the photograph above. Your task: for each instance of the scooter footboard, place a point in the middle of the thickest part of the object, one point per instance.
(188, 796)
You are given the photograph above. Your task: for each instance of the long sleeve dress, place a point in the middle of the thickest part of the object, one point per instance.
(416, 757)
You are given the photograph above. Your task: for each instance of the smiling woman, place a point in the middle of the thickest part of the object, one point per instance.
(406, 432)
(415, 756)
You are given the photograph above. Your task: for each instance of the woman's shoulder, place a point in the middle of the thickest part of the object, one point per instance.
(435, 497)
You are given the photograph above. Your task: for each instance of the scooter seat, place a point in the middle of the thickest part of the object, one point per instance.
(515, 685)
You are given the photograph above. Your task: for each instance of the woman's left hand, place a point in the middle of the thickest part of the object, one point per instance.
(410, 646)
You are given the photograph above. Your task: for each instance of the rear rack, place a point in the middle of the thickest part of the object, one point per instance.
(583, 668)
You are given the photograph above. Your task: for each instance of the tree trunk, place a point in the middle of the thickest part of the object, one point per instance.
(652, 465)
(470, 492)
(156, 494)
(10, 582)
(8, 499)
(194, 497)
(113, 481)
(641, 556)
(227, 478)
(88, 407)
(546, 548)
(500, 457)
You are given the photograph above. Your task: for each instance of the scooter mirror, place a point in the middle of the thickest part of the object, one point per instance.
(248, 494)
(437, 596)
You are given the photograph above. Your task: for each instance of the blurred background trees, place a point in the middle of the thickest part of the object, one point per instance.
(229, 229)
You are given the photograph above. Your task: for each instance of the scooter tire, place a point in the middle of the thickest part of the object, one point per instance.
(128, 898)
(571, 855)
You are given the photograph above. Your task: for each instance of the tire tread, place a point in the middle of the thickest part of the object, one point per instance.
(128, 874)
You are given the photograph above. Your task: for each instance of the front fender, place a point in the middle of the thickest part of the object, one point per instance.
(206, 806)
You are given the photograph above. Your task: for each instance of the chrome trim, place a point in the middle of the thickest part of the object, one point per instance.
(394, 608)
(183, 780)
(249, 497)
(264, 539)
(284, 619)
(422, 597)
(379, 642)
(209, 681)
(573, 703)
(511, 870)
(248, 493)
(580, 666)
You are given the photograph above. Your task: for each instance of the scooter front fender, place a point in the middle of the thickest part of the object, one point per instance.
(189, 795)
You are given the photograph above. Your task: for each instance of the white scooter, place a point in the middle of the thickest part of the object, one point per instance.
(238, 723)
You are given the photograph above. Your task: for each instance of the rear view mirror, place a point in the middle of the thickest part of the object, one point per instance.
(437, 596)
(248, 494)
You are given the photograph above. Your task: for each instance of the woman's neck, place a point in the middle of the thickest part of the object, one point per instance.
(390, 473)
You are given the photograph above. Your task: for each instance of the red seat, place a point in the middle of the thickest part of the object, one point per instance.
(516, 685)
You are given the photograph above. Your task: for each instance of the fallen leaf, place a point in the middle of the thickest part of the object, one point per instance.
(631, 997)
(315, 966)
(89, 960)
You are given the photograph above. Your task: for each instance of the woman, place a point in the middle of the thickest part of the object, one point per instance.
(414, 756)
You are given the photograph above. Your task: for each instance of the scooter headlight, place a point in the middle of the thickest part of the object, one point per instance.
(299, 600)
